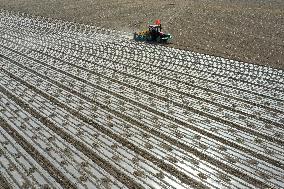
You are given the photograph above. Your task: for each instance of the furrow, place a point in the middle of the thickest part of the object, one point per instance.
(9, 176)
(20, 160)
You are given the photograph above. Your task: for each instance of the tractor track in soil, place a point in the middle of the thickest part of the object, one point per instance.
(55, 56)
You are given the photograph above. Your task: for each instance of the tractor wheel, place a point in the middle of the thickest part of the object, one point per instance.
(149, 38)
(158, 39)
(140, 37)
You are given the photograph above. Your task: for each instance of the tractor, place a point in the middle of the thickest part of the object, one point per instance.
(153, 34)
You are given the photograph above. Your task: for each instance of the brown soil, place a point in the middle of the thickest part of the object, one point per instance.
(246, 30)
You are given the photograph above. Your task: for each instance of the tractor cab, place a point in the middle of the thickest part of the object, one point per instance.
(155, 28)
(155, 31)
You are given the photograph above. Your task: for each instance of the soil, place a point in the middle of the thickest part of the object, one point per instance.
(245, 30)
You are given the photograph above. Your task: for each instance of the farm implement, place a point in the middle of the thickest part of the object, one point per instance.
(153, 34)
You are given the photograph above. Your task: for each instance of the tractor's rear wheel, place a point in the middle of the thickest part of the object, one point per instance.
(149, 38)
(158, 39)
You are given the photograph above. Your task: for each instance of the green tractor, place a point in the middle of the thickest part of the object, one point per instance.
(153, 34)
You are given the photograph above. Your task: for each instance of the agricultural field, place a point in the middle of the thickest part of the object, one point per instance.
(244, 30)
(86, 107)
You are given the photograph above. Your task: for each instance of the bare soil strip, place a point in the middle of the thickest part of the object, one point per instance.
(57, 175)
(136, 149)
